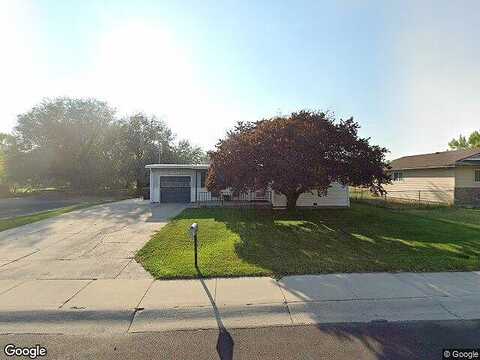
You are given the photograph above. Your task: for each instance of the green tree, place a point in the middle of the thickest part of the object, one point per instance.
(144, 138)
(462, 143)
(186, 153)
(148, 140)
(6, 142)
(82, 144)
(63, 141)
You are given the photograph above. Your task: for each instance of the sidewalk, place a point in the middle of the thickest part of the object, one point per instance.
(122, 305)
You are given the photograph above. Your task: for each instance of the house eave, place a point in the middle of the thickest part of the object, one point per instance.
(178, 166)
(423, 168)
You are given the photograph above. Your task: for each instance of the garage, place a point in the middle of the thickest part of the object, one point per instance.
(174, 189)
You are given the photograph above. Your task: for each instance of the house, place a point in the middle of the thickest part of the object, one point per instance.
(185, 183)
(446, 177)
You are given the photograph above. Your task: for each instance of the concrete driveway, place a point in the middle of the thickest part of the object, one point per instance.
(92, 243)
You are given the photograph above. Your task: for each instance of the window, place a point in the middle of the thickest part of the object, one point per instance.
(477, 175)
(203, 177)
(397, 176)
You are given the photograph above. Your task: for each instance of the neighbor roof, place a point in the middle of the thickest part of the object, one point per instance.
(434, 160)
(178, 166)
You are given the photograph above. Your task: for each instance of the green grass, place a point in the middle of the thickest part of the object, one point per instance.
(364, 238)
(9, 223)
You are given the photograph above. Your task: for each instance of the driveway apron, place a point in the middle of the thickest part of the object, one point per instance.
(93, 243)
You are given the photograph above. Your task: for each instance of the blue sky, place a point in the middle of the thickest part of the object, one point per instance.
(407, 71)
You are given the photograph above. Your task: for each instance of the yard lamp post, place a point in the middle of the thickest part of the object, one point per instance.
(193, 231)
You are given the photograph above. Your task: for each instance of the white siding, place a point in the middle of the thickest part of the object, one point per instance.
(337, 195)
(199, 181)
(155, 175)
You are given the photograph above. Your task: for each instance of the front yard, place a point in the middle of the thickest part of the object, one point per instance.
(364, 238)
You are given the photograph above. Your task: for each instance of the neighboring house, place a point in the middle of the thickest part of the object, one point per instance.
(185, 183)
(447, 177)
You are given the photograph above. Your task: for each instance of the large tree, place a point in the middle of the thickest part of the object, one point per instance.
(82, 144)
(148, 140)
(7, 141)
(306, 151)
(462, 142)
(63, 140)
(144, 139)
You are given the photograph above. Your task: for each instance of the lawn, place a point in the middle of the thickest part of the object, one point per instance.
(363, 238)
(9, 223)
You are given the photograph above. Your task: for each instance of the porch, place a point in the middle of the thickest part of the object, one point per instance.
(256, 199)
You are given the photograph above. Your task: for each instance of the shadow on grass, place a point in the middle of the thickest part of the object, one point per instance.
(360, 239)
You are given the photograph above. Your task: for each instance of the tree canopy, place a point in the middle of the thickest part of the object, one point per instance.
(306, 151)
(462, 143)
(83, 144)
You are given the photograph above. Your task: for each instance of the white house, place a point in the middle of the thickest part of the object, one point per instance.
(185, 183)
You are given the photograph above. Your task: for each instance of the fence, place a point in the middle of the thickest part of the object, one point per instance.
(418, 198)
(252, 199)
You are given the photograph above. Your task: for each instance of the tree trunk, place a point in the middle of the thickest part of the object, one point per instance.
(139, 186)
(292, 201)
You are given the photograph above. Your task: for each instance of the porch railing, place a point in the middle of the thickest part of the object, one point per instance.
(228, 198)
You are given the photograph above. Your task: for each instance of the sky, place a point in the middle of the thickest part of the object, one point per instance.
(407, 71)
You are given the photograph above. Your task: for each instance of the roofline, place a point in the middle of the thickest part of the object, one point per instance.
(178, 166)
(423, 167)
(468, 157)
(441, 152)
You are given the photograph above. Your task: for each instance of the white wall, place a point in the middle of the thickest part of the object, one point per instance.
(155, 175)
(337, 195)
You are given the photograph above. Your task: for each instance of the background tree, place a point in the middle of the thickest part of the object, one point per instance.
(306, 151)
(63, 141)
(148, 140)
(6, 143)
(462, 143)
(144, 139)
(186, 153)
(80, 143)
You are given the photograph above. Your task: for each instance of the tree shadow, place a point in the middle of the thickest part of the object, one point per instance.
(407, 340)
(225, 341)
(359, 239)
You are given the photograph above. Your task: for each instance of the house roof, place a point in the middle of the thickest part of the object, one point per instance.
(178, 166)
(433, 160)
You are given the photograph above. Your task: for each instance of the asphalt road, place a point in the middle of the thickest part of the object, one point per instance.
(411, 340)
(28, 205)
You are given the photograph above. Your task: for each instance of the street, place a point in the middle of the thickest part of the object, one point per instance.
(375, 340)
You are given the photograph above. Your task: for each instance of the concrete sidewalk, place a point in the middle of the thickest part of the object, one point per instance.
(124, 305)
